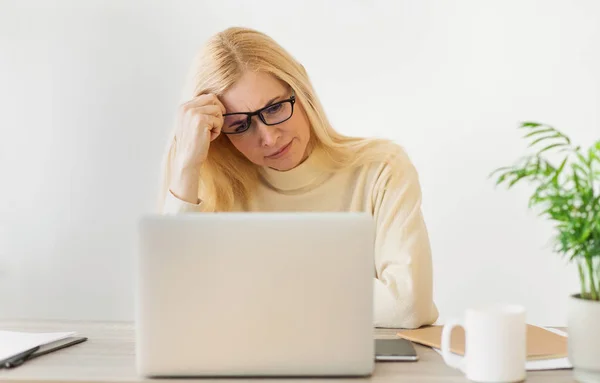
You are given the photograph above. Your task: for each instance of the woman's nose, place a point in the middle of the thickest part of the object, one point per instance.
(268, 134)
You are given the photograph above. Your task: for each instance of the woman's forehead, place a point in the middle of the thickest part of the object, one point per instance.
(252, 91)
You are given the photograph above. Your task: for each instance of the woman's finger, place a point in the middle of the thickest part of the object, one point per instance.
(212, 109)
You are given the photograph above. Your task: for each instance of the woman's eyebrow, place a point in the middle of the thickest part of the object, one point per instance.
(272, 100)
(267, 104)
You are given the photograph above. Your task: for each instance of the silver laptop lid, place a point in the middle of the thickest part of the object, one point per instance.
(262, 294)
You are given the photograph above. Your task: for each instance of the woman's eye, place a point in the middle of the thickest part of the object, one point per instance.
(240, 128)
(274, 109)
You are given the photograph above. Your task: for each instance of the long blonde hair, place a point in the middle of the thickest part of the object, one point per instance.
(227, 177)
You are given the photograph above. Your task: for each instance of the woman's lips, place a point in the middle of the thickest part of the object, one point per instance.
(281, 152)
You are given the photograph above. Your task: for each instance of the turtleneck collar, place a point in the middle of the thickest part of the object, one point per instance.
(308, 175)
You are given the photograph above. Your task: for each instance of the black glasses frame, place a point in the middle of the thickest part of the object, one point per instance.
(291, 100)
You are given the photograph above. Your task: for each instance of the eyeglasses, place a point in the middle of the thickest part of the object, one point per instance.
(236, 123)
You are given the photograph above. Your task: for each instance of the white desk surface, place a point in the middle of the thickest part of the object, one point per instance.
(108, 356)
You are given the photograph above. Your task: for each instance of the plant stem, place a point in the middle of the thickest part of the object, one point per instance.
(591, 270)
(598, 274)
(581, 279)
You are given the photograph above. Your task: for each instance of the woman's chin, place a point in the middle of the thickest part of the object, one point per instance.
(285, 164)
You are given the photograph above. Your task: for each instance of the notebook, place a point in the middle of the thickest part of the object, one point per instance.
(541, 343)
(17, 344)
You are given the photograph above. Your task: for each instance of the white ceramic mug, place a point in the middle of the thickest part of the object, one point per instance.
(495, 344)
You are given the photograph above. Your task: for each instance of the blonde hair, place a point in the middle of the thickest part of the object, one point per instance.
(227, 177)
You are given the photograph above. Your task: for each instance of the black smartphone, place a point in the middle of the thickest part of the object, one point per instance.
(395, 350)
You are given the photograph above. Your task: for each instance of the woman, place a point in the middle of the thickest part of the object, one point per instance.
(254, 137)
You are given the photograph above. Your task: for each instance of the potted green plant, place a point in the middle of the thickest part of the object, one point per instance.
(567, 192)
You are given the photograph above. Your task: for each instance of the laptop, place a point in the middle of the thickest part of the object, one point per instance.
(255, 294)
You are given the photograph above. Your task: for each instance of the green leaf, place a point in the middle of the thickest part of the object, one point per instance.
(581, 158)
(530, 124)
(500, 170)
(517, 179)
(558, 171)
(536, 132)
(593, 155)
(550, 147)
(540, 139)
(501, 178)
(577, 167)
(586, 232)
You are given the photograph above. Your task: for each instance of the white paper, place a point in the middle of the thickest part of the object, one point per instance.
(14, 342)
(537, 365)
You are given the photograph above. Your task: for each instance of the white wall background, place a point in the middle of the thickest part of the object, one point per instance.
(88, 90)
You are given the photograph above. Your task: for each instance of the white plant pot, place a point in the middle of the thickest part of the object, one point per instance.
(584, 339)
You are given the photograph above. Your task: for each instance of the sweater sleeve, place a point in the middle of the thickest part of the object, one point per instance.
(403, 287)
(174, 205)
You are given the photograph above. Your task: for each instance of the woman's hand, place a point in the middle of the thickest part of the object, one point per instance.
(199, 121)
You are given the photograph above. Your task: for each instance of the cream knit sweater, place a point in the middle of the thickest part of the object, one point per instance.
(403, 270)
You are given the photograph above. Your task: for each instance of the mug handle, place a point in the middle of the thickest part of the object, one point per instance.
(451, 359)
